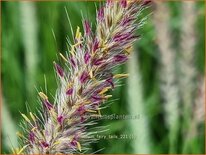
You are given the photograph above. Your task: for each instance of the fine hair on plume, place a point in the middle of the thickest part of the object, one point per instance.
(84, 79)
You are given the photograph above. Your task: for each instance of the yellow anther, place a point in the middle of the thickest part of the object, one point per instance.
(69, 85)
(33, 129)
(99, 112)
(21, 150)
(78, 33)
(104, 90)
(79, 146)
(87, 102)
(91, 73)
(78, 43)
(26, 118)
(92, 111)
(128, 50)
(19, 134)
(104, 47)
(120, 75)
(62, 56)
(108, 96)
(56, 143)
(72, 50)
(42, 95)
(32, 116)
(105, 50)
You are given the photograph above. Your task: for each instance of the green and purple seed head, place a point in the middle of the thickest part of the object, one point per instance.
(83, 86)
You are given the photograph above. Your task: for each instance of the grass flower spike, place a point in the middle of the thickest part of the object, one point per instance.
(83, 82)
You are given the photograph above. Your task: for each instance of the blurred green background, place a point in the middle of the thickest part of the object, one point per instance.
(162, 126)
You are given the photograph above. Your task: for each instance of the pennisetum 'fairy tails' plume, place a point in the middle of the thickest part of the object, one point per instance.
(84, 81)
(168, 84)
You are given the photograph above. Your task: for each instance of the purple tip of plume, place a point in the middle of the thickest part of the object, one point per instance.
(73, 64)
(84, 76)
(69, 91)
(60, 119)
(82, 119)
(126, 21)
(87, 57)
(110, 81)
(123, 3)
(48, 104)
(134, 37)
(44, 144)
(31, 137)
(81, 109)
(146, 2)
(73, 143)
(109, 2)
(59, 69)
(95, 45)
(87, 27)
(98, 62)
(96, 98)
(101, 14)
(121, 37)
(120, 58)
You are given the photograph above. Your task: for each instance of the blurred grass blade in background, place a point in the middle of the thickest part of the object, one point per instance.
(167, 74)
(9, 127)
(188, 70)
(197, 119)
(139, 126)
(30, 44)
